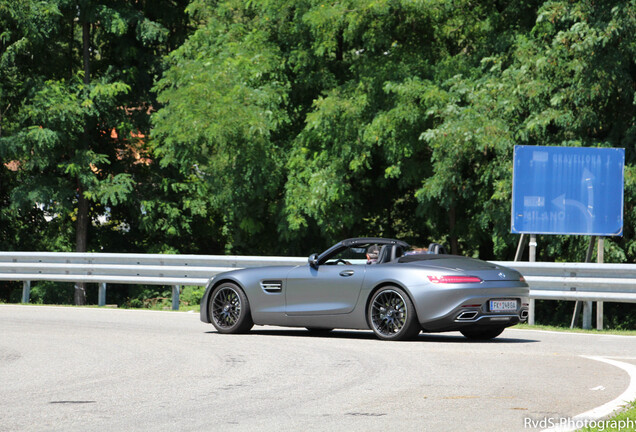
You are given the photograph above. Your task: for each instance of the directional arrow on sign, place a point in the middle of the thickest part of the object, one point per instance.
(561, 202)
(588, 178)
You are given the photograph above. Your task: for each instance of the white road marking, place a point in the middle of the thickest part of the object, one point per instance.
(571, 333)
(606, 409)
(621, 358)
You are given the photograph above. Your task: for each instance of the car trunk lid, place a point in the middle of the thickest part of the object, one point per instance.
(469, 267)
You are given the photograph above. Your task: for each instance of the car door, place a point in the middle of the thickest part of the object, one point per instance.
(326, 290)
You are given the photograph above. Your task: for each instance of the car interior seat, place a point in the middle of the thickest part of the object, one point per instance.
(389, 253)
(396, 252)
(383, 255)
(437, 248)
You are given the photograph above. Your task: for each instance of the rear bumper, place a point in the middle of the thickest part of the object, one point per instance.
(463, 317)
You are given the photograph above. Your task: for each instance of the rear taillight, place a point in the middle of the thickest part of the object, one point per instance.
(522, 279)
(454, 279)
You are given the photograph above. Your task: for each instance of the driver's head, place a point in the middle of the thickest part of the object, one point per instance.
(372, 253)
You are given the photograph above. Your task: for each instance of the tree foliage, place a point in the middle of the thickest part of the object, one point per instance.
(345, 107)
(75, 100)
(281, 126)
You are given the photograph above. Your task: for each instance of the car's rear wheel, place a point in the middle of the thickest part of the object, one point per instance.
(482, 333)
(391, 314)
(229, 309)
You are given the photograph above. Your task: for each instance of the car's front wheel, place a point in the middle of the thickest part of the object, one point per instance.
(229, 309)
(482, 333)
(391, 314)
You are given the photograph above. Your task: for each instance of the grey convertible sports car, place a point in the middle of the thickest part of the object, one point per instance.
(371, 283)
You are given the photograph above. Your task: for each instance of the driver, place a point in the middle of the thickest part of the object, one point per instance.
(372, 254)
(415, 250)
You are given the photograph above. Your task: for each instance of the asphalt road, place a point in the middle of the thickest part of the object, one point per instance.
(69, 369)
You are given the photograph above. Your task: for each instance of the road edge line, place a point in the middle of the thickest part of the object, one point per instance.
(608, 408)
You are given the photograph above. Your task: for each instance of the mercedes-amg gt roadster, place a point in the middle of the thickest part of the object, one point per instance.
(371, 283)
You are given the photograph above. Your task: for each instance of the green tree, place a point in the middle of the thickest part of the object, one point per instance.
(563, 82)
(76, 98)
(318, 110)
(220, 131)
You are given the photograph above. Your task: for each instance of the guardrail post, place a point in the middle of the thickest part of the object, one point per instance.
(531, 312)
(587, 315)
(26, 291)
(599, 315)
(175, 297)
(101, 294)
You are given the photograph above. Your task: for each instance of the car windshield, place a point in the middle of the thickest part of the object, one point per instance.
(359, 254)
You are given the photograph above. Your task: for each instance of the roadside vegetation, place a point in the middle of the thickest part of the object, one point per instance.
(153, 297)
(567, 329)
(624, 421)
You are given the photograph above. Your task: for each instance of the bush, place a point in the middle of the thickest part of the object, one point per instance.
(616, 316)
(192, 295)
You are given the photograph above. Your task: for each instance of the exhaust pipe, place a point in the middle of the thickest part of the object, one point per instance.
(468, 315)
(524, 314)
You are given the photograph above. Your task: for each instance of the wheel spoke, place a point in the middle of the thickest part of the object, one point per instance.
(226, 307)
(388, 313)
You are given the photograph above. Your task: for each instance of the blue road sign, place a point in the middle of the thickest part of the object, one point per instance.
(568, 190)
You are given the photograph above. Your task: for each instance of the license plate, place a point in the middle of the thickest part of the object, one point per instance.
(503, 305)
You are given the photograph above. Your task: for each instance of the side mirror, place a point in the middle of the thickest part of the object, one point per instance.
(313, 260)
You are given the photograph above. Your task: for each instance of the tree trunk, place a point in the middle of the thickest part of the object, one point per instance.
(81, 237)
(86, 41)
(81, 229)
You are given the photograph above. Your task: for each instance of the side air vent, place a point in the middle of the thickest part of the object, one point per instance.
(272, 286)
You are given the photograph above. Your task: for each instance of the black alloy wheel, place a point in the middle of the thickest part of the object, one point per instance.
(229, 309)
(391, 315)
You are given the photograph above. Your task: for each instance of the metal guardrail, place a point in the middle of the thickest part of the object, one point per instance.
(109, 268)
(551, 281)
(580, 282)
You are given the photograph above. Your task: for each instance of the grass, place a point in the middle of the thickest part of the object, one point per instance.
(623, 421)
(158, 306)
(576, 330)
(190, 299)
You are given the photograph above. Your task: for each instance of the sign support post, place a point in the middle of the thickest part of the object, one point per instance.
(520, 247)
(599, 305)
(532, 258)
(577, 305)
